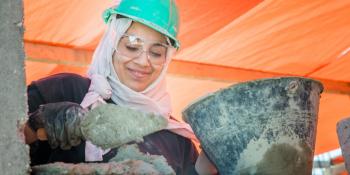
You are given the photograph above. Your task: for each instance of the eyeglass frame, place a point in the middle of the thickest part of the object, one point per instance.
(167, 46)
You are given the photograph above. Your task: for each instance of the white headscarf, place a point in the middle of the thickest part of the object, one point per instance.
(105, 84)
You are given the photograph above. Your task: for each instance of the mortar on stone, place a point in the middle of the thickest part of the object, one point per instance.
(266, 126)
(129, 160)
(110, 126)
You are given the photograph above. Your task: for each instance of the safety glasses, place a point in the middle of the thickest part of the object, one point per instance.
(132, 47)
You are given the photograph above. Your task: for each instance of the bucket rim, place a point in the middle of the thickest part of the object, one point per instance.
(184, 117)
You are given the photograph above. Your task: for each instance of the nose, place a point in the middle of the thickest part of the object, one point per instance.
(143, 59)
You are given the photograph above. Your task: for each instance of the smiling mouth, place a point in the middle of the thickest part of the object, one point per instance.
(138, 74)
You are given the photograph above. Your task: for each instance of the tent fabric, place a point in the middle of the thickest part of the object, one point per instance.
(301, 37)
(59, 20)
(296, 37)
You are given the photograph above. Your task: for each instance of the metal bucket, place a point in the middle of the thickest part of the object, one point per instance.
(259, 127)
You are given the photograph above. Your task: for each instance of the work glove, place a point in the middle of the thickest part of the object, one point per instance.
(61, 122)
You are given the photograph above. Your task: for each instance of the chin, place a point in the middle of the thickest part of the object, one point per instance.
(137, 87)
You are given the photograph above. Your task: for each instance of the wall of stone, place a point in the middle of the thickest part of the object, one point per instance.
(14, 153)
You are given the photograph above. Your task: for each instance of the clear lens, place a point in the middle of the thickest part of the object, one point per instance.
(132, 47)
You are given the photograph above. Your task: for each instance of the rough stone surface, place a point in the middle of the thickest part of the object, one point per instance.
(132, 152)
(110, 126)
(343, 131)
(14, 153)
(113, 168)
(256, 127)
(129, 160)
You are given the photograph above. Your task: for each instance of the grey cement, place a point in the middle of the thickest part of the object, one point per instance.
(128, 167)
(14, 153)
(129, 160)
(110, 126)
(132, 152)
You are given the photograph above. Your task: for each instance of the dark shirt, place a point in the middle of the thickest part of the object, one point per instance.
(179, 151)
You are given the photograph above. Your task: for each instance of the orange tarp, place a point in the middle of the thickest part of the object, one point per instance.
(295, 37)
(224, 41)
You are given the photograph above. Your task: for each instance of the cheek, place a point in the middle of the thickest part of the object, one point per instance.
(118, 66)
(157, 73)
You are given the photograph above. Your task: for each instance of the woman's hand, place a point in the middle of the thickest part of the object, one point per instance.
(61, 122)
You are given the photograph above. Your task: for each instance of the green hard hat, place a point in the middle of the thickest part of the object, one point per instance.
(160, 15)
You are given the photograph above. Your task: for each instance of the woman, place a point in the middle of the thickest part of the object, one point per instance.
(128, 69)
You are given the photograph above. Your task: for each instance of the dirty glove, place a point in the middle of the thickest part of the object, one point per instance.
(61, 122)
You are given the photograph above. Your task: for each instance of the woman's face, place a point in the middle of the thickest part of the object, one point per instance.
(140, 57)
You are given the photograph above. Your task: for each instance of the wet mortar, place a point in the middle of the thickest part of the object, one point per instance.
(127, 167)
(110, 126)
(282, 159)
(129, 160)
(131, 152)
